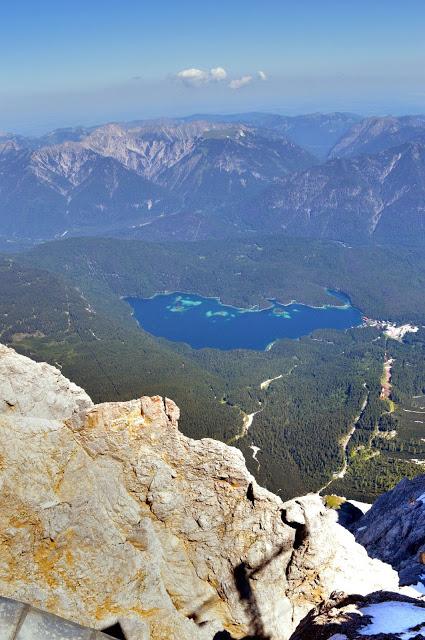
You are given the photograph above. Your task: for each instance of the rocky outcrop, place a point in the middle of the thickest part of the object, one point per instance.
(37, 390)
(381, 616)
(394, 530)
(108, 513)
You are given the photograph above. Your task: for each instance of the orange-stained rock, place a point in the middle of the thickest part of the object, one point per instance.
(108, 512)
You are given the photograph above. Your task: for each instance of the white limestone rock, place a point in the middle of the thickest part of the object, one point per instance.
(36, 389)
(108, 513)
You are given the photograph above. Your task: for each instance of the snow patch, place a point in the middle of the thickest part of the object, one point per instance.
(255, 450)
(415, 590)
(393, 617)
(363, 506)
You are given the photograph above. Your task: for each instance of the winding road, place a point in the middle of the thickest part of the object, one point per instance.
(346, 441)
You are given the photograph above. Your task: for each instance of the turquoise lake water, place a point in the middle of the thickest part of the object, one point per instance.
(206, 322)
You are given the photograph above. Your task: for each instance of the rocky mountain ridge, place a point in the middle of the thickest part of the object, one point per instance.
(372, 197)
(108, 513)
(315, 132)
(118, 177)
(219, 176)
(373, 135)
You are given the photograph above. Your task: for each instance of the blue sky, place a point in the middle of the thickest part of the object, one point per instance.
(65, 62)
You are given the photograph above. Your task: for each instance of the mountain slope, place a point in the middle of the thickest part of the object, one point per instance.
(373, 135)
(315, 132)
(119, 178)
(378, 197)
(394, 530)
(206, 179)
(148, 148)
(226, 166)
(67, 189)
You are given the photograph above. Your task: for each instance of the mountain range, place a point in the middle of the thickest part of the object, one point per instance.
(336, 176)
(379, 196)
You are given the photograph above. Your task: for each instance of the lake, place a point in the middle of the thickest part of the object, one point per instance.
(206, 322)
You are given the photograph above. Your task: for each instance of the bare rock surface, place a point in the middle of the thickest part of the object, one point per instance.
(394, 530)
(37, 390)
(108, 513)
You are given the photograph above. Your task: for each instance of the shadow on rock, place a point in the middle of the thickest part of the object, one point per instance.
(242, 576)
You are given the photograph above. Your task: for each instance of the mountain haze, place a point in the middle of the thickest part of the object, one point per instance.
(213, 177)
(124, 177)
(378, 134)
(372, 197)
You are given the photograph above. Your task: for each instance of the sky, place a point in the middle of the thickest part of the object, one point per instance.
(69, 62)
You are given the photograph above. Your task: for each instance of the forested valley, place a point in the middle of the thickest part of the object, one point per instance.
(63, 302)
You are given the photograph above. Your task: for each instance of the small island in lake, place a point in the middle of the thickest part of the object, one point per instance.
(206, 322)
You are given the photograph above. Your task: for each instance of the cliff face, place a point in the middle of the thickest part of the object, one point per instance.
(394, 530)
(108, 513)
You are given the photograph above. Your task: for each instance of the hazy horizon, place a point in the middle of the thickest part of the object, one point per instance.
(85, 63)
(38, 131)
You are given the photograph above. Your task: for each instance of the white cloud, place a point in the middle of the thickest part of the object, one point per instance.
(193, 76)
(196, 77)
(218, 73)
(240, 82)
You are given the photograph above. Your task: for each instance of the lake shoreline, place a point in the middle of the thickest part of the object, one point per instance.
(205, 322)
(339, 295)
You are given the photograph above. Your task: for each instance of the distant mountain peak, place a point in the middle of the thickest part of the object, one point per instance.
(375, 134)
(215, 176)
